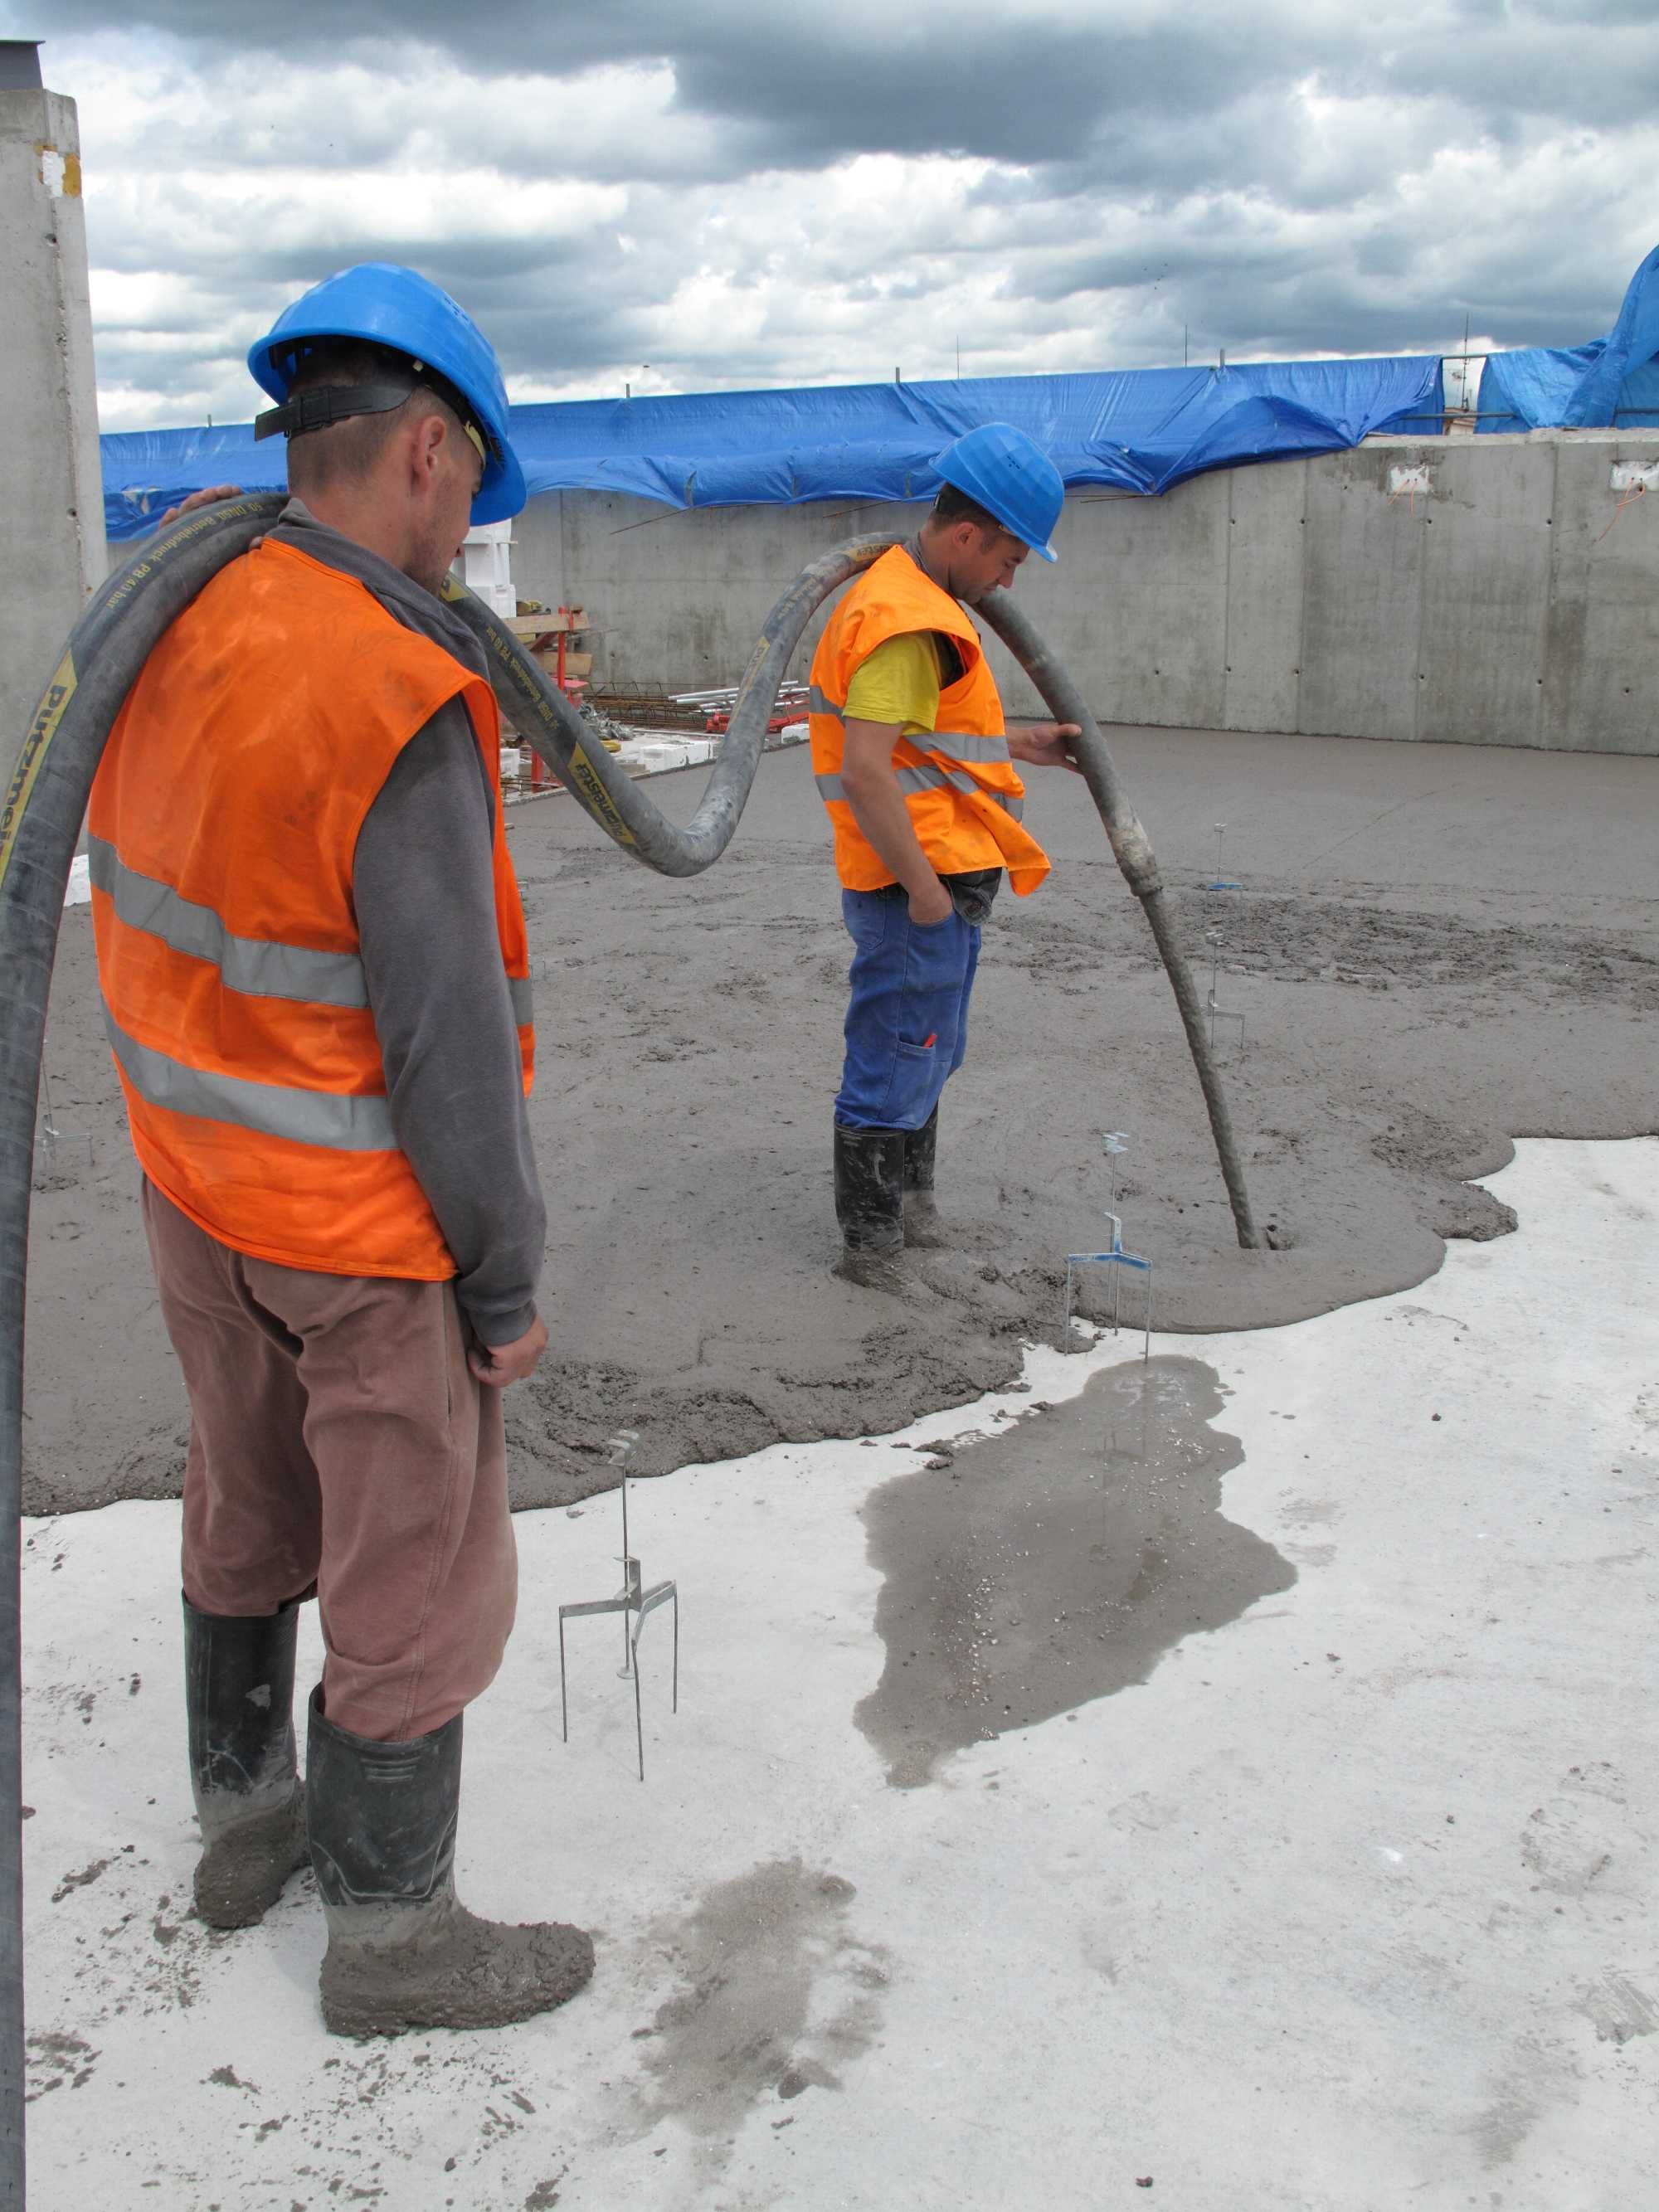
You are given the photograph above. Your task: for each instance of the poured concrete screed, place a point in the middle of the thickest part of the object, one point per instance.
(1435, 948)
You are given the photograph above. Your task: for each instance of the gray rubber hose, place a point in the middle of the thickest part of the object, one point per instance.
(1139, 866)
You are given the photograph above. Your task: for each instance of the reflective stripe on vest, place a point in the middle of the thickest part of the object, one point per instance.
(259, 968)
(955, 745)
(831, 787)
(336, 1119)
(958, 744)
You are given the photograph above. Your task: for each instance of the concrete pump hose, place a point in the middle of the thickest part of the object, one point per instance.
(543, 716)
(1139, 866)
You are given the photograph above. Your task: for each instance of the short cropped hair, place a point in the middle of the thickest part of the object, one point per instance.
(952, 507)
(347, 452)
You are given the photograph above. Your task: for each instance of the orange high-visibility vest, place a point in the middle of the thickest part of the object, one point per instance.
(964, 799)
(223, 823)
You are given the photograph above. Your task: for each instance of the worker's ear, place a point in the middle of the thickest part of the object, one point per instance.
(430, 435)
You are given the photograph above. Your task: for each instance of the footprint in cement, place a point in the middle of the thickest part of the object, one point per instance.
(1572, 1839)
(776, 1995)
(1536, 2077)
(1055, 1563)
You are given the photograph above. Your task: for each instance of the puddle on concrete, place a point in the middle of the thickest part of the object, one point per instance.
(1056, 1563)
(776, 1993)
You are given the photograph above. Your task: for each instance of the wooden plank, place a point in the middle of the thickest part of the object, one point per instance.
(547, 625)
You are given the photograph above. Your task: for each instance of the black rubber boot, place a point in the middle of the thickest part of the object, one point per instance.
(402, 1953)
(922, 1227)
(869, 1207)
(238, 1689)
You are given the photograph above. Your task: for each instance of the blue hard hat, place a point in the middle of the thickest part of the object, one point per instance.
(400, 309)
(1001, 470)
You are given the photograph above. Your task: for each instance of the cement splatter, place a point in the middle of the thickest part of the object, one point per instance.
(776, 1993)
(1618, 2009)
(80, 1880)
(58, 2058)
(1571, 1839)
(1056, 1564)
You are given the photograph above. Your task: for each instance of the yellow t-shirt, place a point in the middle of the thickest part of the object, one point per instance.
(899, 681)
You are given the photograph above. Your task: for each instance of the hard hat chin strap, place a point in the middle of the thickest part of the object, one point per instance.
(325, 404)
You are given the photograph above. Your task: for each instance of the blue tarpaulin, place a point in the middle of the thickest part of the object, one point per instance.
(1142, 430)
(1611, 382)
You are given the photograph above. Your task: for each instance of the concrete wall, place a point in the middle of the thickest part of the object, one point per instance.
(1503, 606)
(51, 500)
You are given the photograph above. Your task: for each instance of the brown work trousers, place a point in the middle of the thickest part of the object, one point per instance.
(339, 1443)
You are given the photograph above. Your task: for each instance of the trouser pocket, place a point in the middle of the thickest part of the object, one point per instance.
(919, 1072)
(904, 1018)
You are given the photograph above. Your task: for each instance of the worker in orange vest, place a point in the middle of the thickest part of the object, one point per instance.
(316, 985)
(914, 761)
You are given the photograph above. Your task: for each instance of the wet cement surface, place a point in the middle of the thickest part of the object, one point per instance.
(1055, 1563)
(1436, 949)
(776, 1993)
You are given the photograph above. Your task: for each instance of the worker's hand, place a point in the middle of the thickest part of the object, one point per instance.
(930, 905)
(1042, 745)
(198, 499)
(498, 1365)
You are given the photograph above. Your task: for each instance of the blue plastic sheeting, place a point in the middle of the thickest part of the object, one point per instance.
(1611, 382)
(1142, 430)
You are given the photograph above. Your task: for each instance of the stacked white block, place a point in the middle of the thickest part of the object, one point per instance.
(487, 565)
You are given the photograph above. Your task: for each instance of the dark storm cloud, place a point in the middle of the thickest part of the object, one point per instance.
(1013, 84)
(1594, 65)
(734, 195)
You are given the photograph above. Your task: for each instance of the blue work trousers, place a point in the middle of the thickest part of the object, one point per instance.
(907, 1020)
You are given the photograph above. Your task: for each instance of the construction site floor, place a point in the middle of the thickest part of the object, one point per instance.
(1224, 1782)
(1433, 948)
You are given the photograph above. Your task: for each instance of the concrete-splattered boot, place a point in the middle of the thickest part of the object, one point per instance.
(402, 1953)
(869, 1207)
(239, 1688)
(922, 1225)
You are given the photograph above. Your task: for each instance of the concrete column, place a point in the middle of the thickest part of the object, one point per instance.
(51, 498)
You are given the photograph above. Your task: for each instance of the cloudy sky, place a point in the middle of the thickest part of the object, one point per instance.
(687, 195)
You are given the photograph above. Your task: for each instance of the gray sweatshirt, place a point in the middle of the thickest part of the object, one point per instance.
(423, 884)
